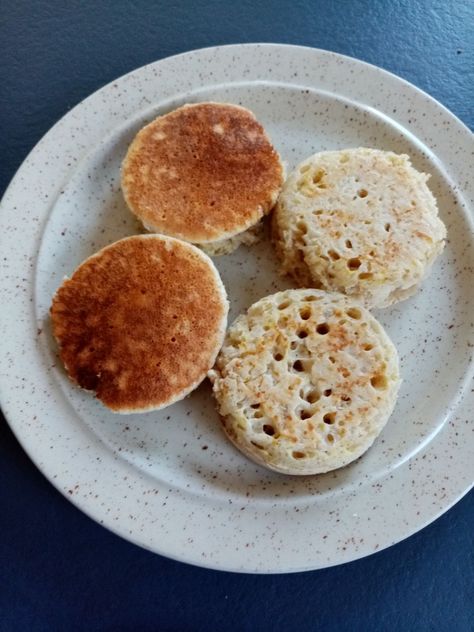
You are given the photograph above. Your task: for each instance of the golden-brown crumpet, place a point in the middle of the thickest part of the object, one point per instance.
(206, 173)
(141, 322)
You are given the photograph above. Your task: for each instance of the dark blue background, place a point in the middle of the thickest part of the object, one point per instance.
(58, 569)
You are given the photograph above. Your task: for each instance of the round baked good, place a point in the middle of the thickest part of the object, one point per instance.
(358, 221)
(305, 381)
(206, 173)
(141, 322)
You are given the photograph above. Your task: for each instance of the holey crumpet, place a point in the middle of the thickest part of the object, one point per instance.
(359, 221)
(305, 381)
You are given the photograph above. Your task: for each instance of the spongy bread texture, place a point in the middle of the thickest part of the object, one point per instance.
(305, 381)
(205, 173)
(225, 246)
(358, 221)
(141, 322)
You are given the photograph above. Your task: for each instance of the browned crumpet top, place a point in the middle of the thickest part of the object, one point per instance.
(203, 172)
(140, 322)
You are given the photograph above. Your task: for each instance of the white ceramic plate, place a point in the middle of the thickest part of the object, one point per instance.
(170, 481)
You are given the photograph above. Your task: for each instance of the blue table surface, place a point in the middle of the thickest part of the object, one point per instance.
(58, 569)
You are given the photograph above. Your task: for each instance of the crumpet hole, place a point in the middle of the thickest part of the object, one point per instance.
(312, 397)
(354, 313)
(354, 263)
(318, 176)
(362, 193)
(269, 430)
(322, 329)
(327, 392)
(305, 313)
(302, 227)
(329, 418)
(298, 455)
(379, 381)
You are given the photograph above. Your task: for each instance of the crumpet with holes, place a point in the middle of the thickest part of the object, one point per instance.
(358, 221)
(141, 322)
(206, 173)
(305, 381)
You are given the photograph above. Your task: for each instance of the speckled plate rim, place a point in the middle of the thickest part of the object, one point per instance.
(224, 537)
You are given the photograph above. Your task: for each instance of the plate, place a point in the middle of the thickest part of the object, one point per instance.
(169, 480)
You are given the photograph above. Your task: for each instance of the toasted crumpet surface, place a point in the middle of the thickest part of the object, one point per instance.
(140, 322)
(202, 173)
